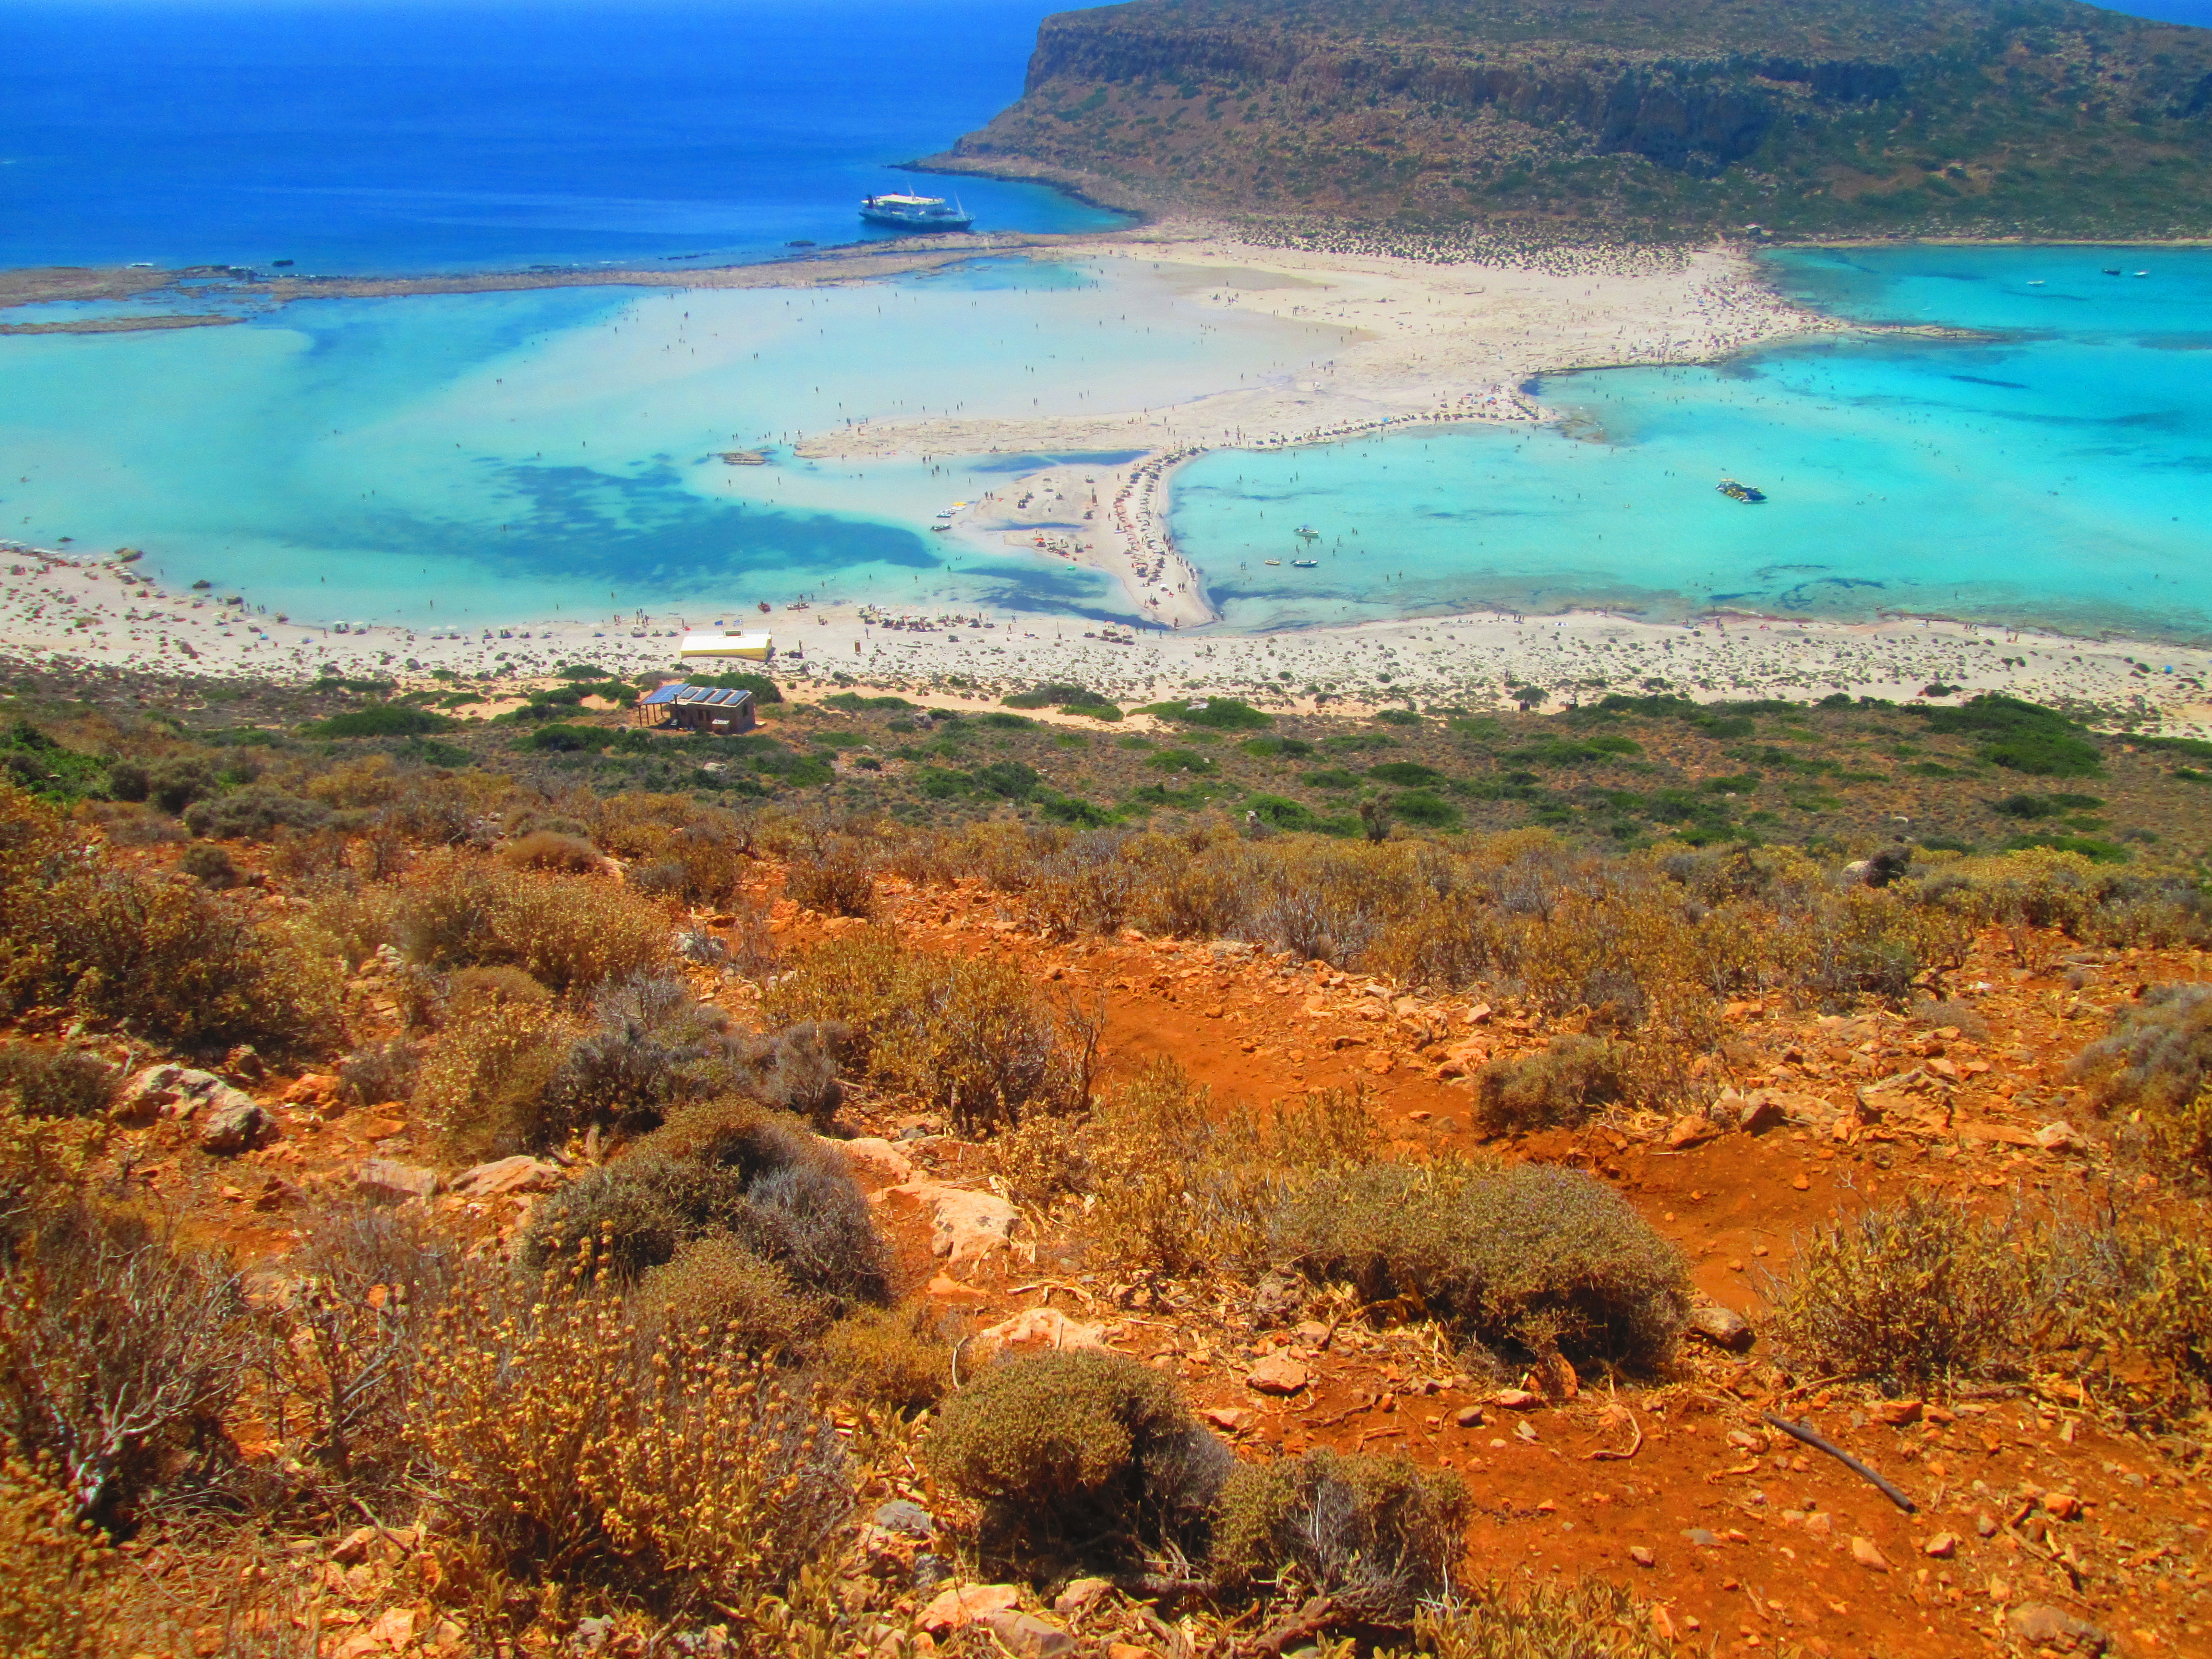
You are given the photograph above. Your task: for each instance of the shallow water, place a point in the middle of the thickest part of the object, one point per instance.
(2055, 473)
(498, 457)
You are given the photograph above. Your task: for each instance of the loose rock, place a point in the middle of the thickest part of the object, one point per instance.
(2044, 1627)
(238, 1126)
(1724, 1328)
(1868, 1554)
(1277, 1374)
(505, 1176)
(383, 1180)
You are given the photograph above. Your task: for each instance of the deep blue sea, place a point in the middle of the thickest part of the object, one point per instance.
(406, 136)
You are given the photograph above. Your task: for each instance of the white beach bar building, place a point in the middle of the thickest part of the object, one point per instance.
(754, 647)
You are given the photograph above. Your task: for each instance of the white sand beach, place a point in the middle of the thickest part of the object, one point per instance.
(1424, 342)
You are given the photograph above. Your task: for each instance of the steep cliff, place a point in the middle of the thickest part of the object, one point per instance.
(1655, 116)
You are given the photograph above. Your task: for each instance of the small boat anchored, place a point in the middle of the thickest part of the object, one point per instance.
(1736, 491)
(1303, 564)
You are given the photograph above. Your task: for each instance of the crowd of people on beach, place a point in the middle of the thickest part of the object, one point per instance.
(1509, 246)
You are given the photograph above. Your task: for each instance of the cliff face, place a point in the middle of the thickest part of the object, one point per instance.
(1655, 115)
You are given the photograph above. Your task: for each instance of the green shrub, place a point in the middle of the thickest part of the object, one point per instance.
(568, 738)
(1218, 713)
(253, 814)
(1374, 1533)
(1406, 775)
(852, 703)
(1532, 1259)
(382, 719)
(765, 689)
(2021, 737)
(1079, 1456)
(173, 785)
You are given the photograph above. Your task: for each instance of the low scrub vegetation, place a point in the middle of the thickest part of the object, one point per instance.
(1084, 1456)
(1929, 1293)
(969, 1038)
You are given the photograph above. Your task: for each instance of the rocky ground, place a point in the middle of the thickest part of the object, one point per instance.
(2029, 1522)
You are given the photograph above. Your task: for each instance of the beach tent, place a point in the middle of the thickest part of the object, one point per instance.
(756, 647)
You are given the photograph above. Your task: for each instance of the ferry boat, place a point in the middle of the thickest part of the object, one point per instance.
(1741, 492)
(914, 213)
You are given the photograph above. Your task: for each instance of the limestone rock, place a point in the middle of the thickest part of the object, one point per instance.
(2041, 1626)
(1724, 1328)
(1516, 1400)
(237, 1126)
(384, 1181)
(505, 1176)
(1896, 1413)
(905, 1516)
(1689, 1130)
(1036, 1328)
(1868, 1554)
(176, 1092)
(965, 1226)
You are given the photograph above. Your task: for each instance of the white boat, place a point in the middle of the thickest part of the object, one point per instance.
(900, 212)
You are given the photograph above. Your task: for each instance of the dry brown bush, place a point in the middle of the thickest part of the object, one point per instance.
(172, 960)
(368, 1281)
(1907, 1294)
(56, 1573)
(716, 1292)
(1375, 1534)
(970, 1038)
(44, 1080)
(1588, 1619)
(2157, 1064)
(723, 1167)
(548, 849)
(380, 1072)
(119, 1353)
(889, 1357)
(677, 1472)
(834, 877)
(1081, 1457)
(1563, 1083)
(1927, 1291)
(481, 1089)
(1531, 1259)
(567, 932)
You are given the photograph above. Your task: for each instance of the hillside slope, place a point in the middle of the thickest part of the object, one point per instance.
(1650, 117)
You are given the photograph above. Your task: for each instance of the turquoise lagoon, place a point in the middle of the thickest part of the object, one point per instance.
(492, 458)
(486, 458)
(2055, 470)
